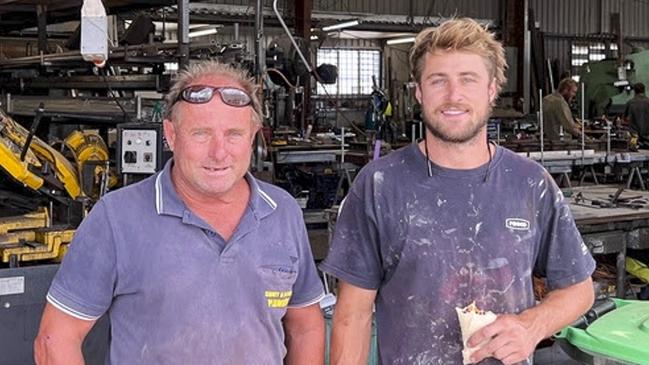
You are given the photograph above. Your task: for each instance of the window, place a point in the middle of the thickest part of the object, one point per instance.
(355, 70)
(583, 52)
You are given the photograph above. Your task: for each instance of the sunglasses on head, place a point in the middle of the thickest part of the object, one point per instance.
(201, 94)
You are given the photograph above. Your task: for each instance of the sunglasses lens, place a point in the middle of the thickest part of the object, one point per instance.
(234, 97)
(197, 94)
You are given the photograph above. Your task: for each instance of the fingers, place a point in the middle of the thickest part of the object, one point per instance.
(498, 347)
(489, 331)
(505, 339)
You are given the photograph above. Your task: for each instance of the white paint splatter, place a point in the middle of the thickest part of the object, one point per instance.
(449, 231)
(422, 242)
(378, 177)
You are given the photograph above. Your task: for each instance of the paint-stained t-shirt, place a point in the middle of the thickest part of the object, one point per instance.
(430, 244)
(175, 291)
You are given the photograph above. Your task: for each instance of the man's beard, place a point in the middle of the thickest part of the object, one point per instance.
(436, 128)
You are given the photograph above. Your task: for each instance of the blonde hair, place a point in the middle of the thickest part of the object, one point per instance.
(206, 68)
(463, 34)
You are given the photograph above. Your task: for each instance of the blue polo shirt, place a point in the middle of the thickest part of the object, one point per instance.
(175, 291)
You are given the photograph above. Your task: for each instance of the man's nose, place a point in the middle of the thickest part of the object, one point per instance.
(217, 147)
(454, 91)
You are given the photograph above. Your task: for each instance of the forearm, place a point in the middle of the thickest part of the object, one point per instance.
(350, 340)
(60, 337)
(49, 351)
(560, 308)
(571, 127)
(305, 347)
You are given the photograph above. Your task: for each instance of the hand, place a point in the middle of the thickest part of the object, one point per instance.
(510, 339)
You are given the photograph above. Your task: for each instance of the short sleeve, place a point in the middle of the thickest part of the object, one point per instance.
(563, 257)
(83, 286)
(354, 254)
(307, 288)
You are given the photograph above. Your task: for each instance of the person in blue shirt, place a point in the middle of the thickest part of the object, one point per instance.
(200, 263)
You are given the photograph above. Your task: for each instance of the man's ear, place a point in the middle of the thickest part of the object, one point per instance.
(493, 94)
(256, 129)
(170, 133)
(418, 92)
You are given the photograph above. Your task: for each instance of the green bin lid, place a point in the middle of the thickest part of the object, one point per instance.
(622, 334)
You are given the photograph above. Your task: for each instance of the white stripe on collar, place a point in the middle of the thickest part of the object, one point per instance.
(158, 194)
(267, 198)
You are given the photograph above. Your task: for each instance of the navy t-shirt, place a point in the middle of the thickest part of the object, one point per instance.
(430, 244)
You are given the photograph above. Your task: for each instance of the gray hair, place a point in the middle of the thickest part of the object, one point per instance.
(205, 68)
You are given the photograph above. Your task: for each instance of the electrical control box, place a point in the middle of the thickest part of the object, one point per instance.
(139, 148)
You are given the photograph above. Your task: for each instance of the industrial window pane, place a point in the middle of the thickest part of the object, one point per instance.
(582, 52)
(355, 70)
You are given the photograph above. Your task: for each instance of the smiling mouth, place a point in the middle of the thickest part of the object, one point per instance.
(215, 169)
(453, 112)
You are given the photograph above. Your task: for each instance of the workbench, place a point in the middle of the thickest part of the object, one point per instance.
(611, 230)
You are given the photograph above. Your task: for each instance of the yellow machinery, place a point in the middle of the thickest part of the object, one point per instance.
(29, 237)
(40, 167)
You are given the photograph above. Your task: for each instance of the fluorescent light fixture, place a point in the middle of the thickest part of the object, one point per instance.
(203, 32)
(400, 40)
(314, 37)
(339, 26)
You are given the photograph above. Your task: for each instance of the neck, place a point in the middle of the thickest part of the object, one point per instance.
(460, 156)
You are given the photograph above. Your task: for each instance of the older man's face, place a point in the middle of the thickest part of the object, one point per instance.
(212, 144)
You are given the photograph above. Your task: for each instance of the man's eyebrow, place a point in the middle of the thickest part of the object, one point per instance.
(469, 73)
(436, 74)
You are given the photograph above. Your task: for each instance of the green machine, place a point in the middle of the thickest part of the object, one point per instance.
(614, 331)
(608, 86)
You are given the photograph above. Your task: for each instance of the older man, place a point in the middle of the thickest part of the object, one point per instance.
(199, 264)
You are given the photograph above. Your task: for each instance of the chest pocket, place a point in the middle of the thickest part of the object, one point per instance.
(278, 280)
(277, 266)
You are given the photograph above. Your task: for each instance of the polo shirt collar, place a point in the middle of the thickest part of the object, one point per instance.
(167, 201)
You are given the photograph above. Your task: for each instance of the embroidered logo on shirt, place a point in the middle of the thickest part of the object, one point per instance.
(517, 224)
(278, 299)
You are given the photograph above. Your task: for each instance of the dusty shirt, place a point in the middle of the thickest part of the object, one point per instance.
(556, 114)
(430, 244)
(175, 291)
(637, 110)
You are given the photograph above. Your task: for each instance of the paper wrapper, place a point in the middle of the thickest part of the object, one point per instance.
(472, 320)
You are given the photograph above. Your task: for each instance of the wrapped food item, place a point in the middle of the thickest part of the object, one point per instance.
(472, 320)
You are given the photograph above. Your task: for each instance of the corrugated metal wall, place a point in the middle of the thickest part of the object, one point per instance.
(565, 20)
(561, 20)
(592, 16)
(483, 9)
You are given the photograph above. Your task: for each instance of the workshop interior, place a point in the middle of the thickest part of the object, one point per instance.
(82, 110)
